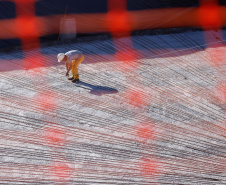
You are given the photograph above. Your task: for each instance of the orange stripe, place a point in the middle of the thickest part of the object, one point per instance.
(99, 22)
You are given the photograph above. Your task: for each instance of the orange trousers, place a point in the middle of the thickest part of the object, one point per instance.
(75, 64)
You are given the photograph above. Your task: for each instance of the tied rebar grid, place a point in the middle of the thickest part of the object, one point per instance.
(142, 116)
(177, 134)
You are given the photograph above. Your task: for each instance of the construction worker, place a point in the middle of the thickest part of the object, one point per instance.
(72, 59)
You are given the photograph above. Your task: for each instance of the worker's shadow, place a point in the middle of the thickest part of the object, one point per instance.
(96, 89)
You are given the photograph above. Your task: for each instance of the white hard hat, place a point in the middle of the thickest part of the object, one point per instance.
(60, 57)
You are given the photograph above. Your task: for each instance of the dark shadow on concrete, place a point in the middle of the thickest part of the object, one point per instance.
(96, 89)
(142, 45)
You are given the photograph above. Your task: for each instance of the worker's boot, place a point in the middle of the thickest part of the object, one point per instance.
(76, 78)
